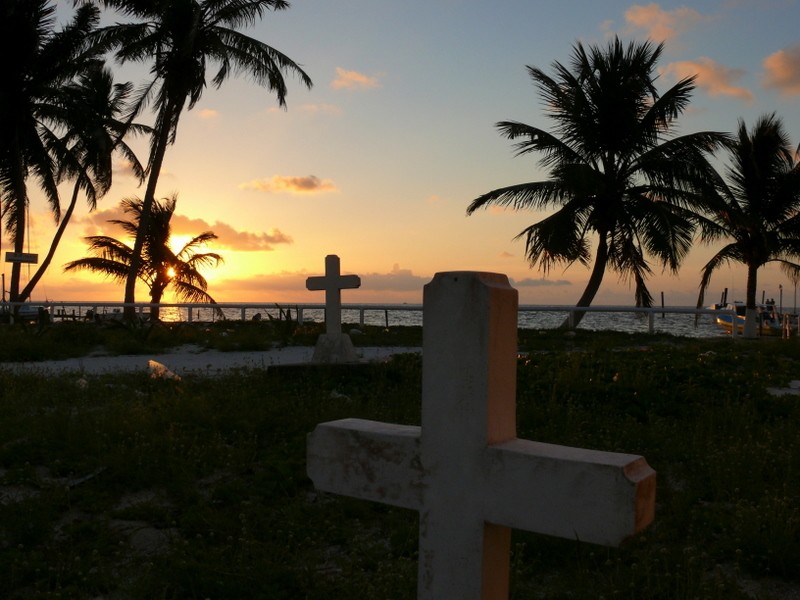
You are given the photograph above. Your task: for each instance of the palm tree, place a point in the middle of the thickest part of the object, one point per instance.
(37, 63)
(181, 37)
(614, 173)
(161, 268)
(758, 208)
(94, 103)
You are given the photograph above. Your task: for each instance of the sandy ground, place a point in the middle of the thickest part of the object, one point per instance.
(189, 359)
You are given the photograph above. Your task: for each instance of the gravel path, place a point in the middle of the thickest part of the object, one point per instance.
(193, 360)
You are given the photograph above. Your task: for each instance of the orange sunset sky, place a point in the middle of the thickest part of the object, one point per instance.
(379, 160)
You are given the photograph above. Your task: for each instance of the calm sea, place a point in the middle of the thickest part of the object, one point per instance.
(672, 323)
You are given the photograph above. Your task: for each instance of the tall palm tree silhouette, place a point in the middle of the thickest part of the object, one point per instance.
(94, 133)
(757, 208)
(38, 61)
(160, 267)
(615, 176)
(181, 37)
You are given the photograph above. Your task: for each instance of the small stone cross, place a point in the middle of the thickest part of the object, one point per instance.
(464, 469)
(333, 282)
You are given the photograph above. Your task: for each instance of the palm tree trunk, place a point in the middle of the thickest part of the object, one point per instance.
(19, 246)
(595, 279)
(159, 152)
(751, 312)
(156, 294)
(20, 200)
(62, 226)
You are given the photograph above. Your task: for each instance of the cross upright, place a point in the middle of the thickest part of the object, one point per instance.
(333, 282)
(471, 479)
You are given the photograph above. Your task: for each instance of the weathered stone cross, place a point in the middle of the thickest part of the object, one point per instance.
(464, 470)
(333, 282)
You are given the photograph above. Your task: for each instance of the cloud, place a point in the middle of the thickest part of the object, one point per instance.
(310, 184)
(528, 282)
(122, 168)
(324, 109)
(397, 280)
(207, 113)
(353, 80)
(782, 71)
(659, 24)
(227, 236)
(716, 79)
(506, 255)
(96, 223)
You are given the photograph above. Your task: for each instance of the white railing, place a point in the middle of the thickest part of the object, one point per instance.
(84, 310)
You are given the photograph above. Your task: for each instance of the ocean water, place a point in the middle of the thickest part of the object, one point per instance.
(679, 324)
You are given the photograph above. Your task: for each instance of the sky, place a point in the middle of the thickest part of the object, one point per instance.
(379, 160)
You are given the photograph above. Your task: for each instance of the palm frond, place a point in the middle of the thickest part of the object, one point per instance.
(727, 254)
(535, 195)
(559, 238)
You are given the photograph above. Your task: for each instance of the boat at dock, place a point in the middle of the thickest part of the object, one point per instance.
(769, 321)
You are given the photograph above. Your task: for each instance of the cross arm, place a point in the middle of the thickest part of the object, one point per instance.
(597, 497)
(343, 282)
(368, 460)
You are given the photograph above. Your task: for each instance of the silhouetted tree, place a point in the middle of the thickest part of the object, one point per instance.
(160, 268)
(37, 62)
(181, 37)
(757, 208)
(615, 176)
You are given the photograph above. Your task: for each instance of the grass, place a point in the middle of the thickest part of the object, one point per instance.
(31, 342)
(128, 487)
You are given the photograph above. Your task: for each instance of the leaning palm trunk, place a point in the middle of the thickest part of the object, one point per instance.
(62, 226)
(595, 279)
(157, 161)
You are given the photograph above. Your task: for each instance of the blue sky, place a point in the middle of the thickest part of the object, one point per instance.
(379, 160)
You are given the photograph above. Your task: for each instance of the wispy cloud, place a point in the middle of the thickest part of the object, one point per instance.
(528, 282)
(122, 168)
(96, 223)
(207, 113)
(716, 79)
(310, 184)
(659, 24)
(353, 80)
(506, 255)
(782, 71)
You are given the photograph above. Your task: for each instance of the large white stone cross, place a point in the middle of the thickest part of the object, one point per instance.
(333, 282)
(464, 470)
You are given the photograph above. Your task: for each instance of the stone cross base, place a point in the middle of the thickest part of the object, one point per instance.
(334, 348)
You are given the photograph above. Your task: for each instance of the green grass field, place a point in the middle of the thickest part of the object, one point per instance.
(130, 487)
